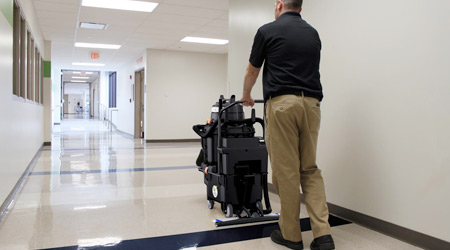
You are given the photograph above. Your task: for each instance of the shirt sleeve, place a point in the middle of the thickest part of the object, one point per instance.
(258, 50)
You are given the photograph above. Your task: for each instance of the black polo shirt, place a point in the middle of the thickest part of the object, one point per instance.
(290, 50)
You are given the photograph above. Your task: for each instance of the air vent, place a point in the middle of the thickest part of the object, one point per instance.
(94, 26)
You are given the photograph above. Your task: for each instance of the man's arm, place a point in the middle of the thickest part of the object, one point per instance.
(249, 82)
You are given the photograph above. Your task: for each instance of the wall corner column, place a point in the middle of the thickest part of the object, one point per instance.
(47, 93)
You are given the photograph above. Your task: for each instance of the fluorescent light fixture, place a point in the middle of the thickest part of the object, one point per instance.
(94, 26)
(77, 81)
(80, 77)
(88, 64)
(98, 45)
(76, 72)
(88, 73)
(121, 5)
(190, 39)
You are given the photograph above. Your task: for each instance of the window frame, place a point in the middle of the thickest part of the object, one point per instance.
(37, 87)
(16, 49)
(41, 80)
(113, 90)
(30, 78)
(23, 59)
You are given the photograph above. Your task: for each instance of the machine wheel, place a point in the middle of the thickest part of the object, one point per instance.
(210, 204)
(259, 207)
(229, 211)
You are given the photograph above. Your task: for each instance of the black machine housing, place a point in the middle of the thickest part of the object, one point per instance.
(234, 160)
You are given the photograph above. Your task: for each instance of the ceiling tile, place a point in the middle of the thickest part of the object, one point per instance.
(56, 6)
(189, 11)
(206, 4)
(171, 21)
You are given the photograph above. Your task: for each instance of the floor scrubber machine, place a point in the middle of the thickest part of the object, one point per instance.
(234, 163)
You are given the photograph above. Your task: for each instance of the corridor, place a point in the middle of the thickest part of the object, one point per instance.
(96, 189)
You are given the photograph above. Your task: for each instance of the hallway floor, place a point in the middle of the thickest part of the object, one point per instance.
(96, 189)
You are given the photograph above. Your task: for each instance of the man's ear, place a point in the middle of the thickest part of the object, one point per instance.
(280, 5)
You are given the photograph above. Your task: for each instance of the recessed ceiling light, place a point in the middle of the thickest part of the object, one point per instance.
(80, 77)
(88, 64)
(95, 26)
(121, 5)
(98, 45)
(190, 39)
(77, 81)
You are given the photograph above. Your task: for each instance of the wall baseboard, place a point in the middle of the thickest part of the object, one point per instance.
(404, 234)
(9, 201)
(125, 134)
(173, 141)
(47, 143)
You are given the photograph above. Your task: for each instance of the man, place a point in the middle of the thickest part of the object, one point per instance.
(290, 50)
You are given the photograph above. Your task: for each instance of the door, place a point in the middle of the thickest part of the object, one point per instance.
(92, 103)
(66, 104)
(139, 92)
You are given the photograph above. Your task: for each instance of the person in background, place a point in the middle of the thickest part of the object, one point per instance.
(290, 49)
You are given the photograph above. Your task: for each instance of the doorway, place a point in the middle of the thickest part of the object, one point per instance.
(77, 94)
(139, 92)
(76, 100)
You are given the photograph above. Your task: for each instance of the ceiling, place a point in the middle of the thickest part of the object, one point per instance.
(170, 22)
(76, 88)
(68, 76)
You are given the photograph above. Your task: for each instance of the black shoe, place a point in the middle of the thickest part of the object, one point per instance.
(323, 243)
(277, 237)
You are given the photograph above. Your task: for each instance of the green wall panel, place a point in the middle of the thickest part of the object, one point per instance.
(47, 69)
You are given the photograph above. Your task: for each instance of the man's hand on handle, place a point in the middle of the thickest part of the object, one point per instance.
(248, 100)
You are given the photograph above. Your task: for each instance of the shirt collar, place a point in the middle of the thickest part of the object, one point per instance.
(291, 13)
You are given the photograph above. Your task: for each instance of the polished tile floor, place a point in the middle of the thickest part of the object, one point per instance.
(97, 189)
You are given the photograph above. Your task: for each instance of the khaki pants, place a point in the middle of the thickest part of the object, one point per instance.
(292, 128)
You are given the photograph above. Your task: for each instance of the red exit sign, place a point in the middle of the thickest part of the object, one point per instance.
(95, 55)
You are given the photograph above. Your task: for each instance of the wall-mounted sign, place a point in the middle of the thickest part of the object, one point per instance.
(140, 60)
(95, 55)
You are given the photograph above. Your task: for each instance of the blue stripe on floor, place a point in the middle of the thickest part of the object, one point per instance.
(202, 239)
(98, 171)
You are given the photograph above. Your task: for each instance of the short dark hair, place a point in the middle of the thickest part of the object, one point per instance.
(293, 4)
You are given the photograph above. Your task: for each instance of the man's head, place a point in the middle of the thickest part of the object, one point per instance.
(282, 6)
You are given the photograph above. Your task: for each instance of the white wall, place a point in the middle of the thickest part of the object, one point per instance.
(384, 139)
(242, 29)
(125, 113)
(56, 95)
(181, 88)
(21, 126)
